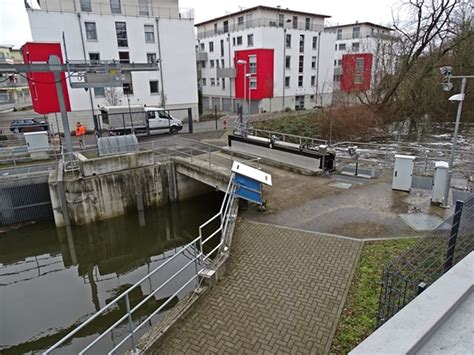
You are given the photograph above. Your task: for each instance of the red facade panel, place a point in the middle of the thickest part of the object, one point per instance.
(263, 73)
(356, 72)
(42, 85)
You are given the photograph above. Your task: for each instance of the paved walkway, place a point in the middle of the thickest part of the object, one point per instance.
(282, 293)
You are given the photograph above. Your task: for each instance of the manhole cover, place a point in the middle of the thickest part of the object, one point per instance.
(341, 185)
(424, 222)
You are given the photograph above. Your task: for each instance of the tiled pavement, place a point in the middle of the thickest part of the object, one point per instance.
(282, 293)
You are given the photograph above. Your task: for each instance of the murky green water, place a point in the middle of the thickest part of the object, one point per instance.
(51, 281)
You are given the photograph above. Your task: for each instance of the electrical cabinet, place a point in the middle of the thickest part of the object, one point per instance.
(440, 179)
(403, 172)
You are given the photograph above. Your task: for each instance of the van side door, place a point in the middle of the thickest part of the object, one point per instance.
(153, 120)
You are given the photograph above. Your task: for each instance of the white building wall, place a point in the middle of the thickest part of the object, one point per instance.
(274, 38)
(177, 48)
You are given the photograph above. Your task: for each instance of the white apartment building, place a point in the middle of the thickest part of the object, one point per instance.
(283, 56)
(363, 55)
(137, 31)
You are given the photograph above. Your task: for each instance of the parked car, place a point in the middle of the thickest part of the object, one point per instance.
(29, 125)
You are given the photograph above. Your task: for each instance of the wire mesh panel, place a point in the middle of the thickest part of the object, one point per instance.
(25, 200)
(411, 273)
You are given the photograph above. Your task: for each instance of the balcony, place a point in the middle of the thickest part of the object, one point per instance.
(260, 22)
(16, 81)
(104, 8)
(362, 35)
(201, 56)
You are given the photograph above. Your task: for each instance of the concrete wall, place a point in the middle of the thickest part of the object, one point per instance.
(103, 193)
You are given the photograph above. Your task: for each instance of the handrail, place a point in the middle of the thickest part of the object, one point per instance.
(198, 258)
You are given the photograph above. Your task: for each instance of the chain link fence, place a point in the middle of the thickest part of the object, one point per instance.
(406, 276)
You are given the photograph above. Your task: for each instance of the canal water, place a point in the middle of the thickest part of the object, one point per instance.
(51, 281)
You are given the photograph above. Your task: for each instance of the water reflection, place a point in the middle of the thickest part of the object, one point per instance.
(52, 279)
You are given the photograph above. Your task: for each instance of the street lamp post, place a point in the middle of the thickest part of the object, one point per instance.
(249, 76)
(460, 99)
(244, 63)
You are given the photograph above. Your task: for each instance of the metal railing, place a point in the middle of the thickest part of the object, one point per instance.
(409, 274)
(302, 141)
(105, 8)
(197, 254)
(362, 35)
(260, 22)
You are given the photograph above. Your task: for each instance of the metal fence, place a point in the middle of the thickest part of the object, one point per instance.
(411, 273)
(134, 317)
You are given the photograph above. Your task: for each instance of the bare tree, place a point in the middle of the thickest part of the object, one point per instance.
(113, 95)
(429, 29)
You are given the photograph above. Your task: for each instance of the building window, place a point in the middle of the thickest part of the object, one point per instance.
(204, 82)
(240, 20)
(295, 22)
(300, 81)
(143, 8)
(358, 79)
(339, 34)
(252, 64)
(288, 62)
(248, 20)
(91, 31)
(288, 41)
(86, 5)
(121, 30)
(301, 64)
(355, 46)
(356, 32)
(211, 62)
(215, 28)
(339, 62)
(359, 65)
(115, 7)
(233, 41)
(253, 83)
(307, 23)
(217, 63)
(127, 88)
(203, 64)
(315, 42)
(342, 47)
(287, 82)
(94, 58)
(337, 77)
(313, 62)
(124, 57)
(201, 47)
(299, 104)
(154, 87)
(222, 47)
(281, 20)
(239, 40)
(211, 46)
(151, 58)
(213, 82)
(218, 82)
(223, 84)
(301, 43)
(149, 34)
(226, 26)
(313, 80)
(250, 40)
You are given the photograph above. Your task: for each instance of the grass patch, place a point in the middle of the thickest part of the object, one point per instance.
(358, 318)
(306, 124)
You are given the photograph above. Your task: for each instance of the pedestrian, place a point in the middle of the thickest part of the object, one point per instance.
(80, 133)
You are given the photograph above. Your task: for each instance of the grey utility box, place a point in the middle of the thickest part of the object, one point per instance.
(440, 179)
(403, 172)
(37, 144)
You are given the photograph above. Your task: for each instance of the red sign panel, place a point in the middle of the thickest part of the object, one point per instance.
(42, 85)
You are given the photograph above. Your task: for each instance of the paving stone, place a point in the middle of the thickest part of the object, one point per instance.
(281, 294)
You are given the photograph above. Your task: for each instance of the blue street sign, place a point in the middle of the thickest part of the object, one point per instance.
(248, 189)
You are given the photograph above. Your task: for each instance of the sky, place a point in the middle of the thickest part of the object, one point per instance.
(14, 27)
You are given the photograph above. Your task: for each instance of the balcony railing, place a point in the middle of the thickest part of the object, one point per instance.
(105, 8)
(260, 22)
(362, 35)
(12, 82)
